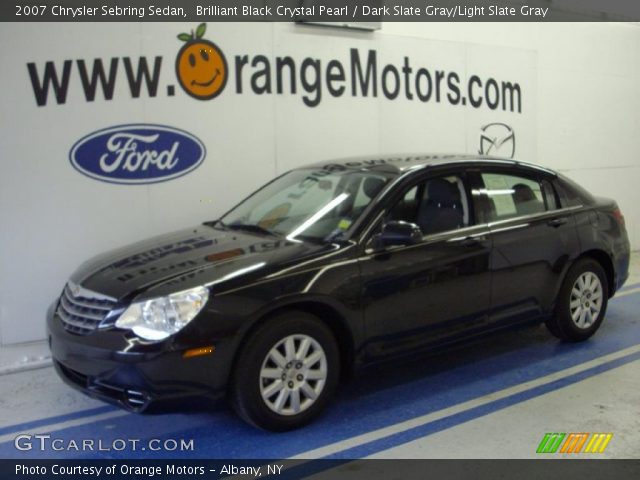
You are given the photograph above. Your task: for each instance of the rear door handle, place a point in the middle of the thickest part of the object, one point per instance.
(473, 241)
(556, 222)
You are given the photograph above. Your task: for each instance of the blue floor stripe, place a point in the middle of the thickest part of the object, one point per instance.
(381, 397)
(406, 436)
(20, 427)
(476, 412)
(95, 411)
(629, 287)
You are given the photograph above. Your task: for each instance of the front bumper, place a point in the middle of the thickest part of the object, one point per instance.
(112, 366)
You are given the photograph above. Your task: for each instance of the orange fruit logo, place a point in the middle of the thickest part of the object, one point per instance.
(200, 66)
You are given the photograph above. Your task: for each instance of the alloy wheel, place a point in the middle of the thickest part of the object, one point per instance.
(293, 374)
(586, 300)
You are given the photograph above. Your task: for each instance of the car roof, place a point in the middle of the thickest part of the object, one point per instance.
(401, 163)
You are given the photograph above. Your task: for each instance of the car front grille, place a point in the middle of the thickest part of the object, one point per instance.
(82, 310)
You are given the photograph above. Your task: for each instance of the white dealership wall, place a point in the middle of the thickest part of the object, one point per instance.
(580, 114)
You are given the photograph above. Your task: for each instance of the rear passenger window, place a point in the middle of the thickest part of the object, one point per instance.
(509, 196)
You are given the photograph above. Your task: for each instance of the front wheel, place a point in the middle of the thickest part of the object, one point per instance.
(286, 373)
(582, 302)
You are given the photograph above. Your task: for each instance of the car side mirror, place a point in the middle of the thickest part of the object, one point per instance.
(397, 233)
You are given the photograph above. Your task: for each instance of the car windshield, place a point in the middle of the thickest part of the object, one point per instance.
(308, 204)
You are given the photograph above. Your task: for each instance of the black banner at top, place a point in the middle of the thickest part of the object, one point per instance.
(359, 14)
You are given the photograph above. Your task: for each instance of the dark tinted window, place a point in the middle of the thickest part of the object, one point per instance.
(507, 196)
(406, 209)
(435, 205)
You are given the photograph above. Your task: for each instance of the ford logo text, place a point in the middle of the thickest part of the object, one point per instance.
(137, 154)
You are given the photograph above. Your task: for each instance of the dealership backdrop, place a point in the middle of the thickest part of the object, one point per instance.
(579, 113)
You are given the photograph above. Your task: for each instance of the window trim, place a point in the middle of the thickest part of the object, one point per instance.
(536, 216)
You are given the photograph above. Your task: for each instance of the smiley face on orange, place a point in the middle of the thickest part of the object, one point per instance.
(200, 66)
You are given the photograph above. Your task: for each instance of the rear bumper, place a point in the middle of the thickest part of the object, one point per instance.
(621, 258)
(128, 378)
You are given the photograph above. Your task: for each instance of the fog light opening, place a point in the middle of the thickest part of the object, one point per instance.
(135, 400)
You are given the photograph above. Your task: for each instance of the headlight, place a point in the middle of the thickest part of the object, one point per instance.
(158, 318)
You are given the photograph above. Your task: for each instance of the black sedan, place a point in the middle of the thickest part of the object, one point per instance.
(333, 266)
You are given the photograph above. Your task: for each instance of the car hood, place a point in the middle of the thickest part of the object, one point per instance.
(215, 253)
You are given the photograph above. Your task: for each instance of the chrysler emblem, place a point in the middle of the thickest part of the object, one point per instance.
(75, 289)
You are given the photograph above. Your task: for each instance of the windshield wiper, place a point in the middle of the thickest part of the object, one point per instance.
(214, 223)
(336, 236)
(249, 227)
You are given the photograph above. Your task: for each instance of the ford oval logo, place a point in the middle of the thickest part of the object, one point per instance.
(136, 154)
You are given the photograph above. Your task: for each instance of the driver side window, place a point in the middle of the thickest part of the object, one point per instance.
(436, 205)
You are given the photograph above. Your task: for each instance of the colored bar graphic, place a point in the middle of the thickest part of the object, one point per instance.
(581, 442)
(573, 442)
(598, 442)
(550, 442)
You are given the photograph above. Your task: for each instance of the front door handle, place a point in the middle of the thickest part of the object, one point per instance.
(556, 222)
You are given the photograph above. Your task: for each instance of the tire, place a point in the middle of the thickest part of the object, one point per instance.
(260, 394)
(582, 302)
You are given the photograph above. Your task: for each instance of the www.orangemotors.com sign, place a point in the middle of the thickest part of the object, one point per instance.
(203, 72)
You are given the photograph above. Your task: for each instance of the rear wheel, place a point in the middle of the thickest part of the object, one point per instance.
(286, 373)
(582, 302)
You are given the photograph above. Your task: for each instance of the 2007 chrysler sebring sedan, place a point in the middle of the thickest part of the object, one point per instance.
(333, 266)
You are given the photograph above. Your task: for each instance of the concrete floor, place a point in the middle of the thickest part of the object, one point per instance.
(493, 399)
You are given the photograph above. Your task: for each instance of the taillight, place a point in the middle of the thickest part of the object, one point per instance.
(617, 214)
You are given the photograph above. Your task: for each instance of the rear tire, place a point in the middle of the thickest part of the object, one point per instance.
(286, 373)
(582, 302)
